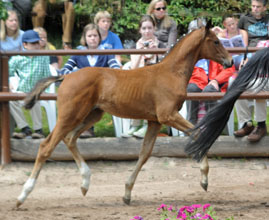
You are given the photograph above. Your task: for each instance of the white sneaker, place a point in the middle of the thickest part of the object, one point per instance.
(130, 132)
(141, 132)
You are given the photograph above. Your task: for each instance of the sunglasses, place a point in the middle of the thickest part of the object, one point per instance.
(161, 8)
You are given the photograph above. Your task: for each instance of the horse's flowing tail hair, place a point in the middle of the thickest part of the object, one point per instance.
(40, 86)
(204, 134)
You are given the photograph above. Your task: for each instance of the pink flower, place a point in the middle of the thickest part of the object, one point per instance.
(162, 206)
(170, 208)
(206, 206)
(190, 209)
(183, 208)
(206, 216)
(137, 217)
(196, 206)
(181, 215)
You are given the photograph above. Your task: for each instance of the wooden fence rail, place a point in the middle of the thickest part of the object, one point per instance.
(6, 96)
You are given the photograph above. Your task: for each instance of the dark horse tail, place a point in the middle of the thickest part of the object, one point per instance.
(204, 134)
(40, 86)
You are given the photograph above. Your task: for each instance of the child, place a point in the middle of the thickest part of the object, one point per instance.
(55, 61)
(10, 33)
(90, 39)
(147, 40)
(29, 69)
(110, 40)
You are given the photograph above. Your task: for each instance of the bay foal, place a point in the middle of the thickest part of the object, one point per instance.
(154, 93)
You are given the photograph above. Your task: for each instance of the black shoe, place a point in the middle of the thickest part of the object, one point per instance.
(38, 134)
(25, 133)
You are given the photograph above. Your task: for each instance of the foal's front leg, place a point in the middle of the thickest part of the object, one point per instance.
(145, 152)
(177, 121)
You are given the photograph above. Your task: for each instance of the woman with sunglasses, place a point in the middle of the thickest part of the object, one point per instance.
(166, 27)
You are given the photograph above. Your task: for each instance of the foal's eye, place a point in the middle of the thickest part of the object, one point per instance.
(216, 42)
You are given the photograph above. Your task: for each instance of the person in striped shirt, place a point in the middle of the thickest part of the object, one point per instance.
(90, 39)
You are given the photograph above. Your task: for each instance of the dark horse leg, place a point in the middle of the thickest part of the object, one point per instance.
(66, 129)
(145, 152)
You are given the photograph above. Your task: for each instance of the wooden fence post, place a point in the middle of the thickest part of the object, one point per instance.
(5, 136)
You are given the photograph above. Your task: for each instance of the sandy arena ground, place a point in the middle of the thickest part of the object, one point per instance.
(237, 187)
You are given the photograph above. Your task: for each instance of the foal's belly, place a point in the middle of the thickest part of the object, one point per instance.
(128, 110)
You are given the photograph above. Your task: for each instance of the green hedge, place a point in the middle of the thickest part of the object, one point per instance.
(126, 14)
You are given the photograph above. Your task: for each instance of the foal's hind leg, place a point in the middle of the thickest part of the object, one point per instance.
(149, 140)
(45, 149)
(70, 141)
(64, 125)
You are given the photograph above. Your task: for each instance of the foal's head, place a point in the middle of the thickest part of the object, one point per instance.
(212, 48)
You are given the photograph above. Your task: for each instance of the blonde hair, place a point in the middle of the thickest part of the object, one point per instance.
(100, 15)
(87, 28)
(41, 30)
(166, 21)
(3, 28)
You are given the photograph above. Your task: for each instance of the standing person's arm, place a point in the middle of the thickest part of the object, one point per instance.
(172, 38)
(244, 36)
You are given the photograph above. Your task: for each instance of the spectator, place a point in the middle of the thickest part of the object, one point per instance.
(207, 76)
(10, 33)
(256, 25)
(90, 39)
(10, 39)
(29, 69)
(231, 30)
(110, 40)
(147, 41)
(166, 27)
(55, 61)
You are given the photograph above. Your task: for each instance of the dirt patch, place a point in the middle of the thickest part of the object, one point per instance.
(237, 188)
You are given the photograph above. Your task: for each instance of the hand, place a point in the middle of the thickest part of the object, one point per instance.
(217, 30)
(152, 44)
(215, 84)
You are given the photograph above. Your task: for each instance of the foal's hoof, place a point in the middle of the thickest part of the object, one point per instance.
(204, 186)
(84, 191)
(126, 201)
(18, 204)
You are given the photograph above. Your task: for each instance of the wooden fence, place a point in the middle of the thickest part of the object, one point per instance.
(6, 96)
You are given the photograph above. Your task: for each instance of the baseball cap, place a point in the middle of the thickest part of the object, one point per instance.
(30, 36)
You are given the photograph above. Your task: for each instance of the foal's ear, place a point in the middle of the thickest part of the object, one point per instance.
(208, 25)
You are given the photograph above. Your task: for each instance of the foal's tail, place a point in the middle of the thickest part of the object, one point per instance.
(204, 134)
(40, 86)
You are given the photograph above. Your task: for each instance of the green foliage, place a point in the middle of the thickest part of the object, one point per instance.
(126, 14)
(3, 9)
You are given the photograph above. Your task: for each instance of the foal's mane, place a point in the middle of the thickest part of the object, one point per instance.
(180, 41)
